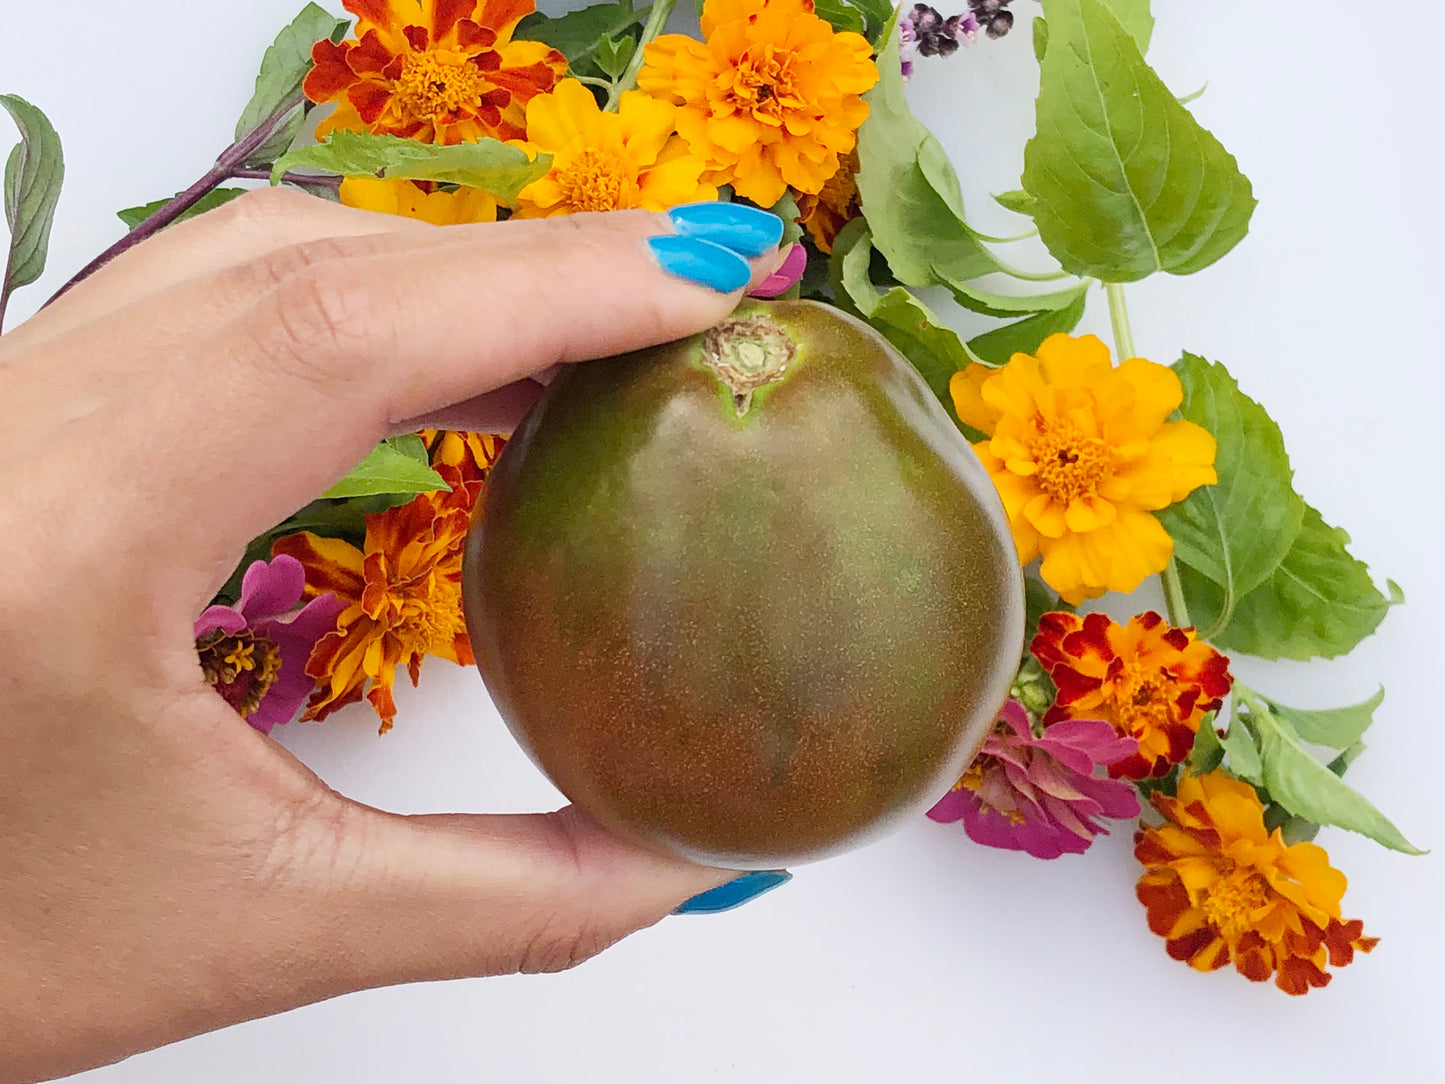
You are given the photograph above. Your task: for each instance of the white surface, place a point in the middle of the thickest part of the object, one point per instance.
(924, 957)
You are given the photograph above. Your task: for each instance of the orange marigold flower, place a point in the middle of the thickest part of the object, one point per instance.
(607, 161)
(824, 215)
(1082, 453)
(471, 453)
(403, 596)
(1220, 889)
(1152, 681)
(771, 99)
(419, 200)
(437, 71)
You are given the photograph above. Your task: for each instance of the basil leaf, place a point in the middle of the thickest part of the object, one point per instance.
(134, 216)
(578, 35)
(1337, 728)
(283, 68)
(388, 469)
(34, 173)
(488, 164)
(1024, 336)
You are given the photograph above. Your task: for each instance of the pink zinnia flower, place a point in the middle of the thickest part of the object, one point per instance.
(1041, 794)
(786, 276)
(254, 653)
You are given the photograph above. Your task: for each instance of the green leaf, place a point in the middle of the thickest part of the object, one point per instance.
(841, 15)
(1135, 17)
(387, 469)
(1319, 603)
(1128, 182)
(1018, 201)
(488, 164)
(935, 350)
(283, 68)
(909, 191)
(33, 175)
(134, 216)
(1039, 599)
(1041, 38)
(1023, 336)
(1338, 728)
(1236, 532)
(1207, 753)
(1309, 789)
(579, 34)
(853, 289)
(1244, 759)
(613, 54)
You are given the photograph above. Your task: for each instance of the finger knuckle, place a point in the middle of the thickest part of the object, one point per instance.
(316, 323)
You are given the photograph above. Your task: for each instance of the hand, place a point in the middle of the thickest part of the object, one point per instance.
(166, 869)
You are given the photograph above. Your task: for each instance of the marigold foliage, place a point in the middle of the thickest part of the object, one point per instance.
(1082, 454)
(1220, 889)
(771, 99)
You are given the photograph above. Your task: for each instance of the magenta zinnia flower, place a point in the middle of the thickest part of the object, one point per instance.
(1041, 794)
(786, 276)
(254, 653)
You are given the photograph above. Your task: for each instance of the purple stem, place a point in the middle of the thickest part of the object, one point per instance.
(226, 167)
(305, 180)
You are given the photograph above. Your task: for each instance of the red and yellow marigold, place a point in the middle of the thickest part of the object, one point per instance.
(1153, 682)
(1220, 889)
(771, 99)
(437, 71)
(1083, 454)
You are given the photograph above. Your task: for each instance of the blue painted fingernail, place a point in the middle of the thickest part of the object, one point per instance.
(701, 262)
(746, 230)
(735, 893)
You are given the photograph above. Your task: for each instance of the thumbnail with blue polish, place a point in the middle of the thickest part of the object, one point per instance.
(746, 230)
(735, 893)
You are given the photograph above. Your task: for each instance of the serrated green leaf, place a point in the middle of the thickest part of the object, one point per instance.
(1018, 201)
(1244, 759)
(1337, 728)
(488, 164)
(34, 173)
(1135, 17)
(134, 216)
(1128, 182)
(387, 469)
(1319, 603)
(841, 15)
(614, 54)
(283, 68)
(578, 35)
(909, 192)
(1304, 786)
(1236, 532)
(409, 445)
(1024, 336)
(1207, 753)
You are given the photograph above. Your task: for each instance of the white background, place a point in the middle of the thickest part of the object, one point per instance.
(924, 957)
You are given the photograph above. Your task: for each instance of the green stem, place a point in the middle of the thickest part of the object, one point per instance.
(1027, 235)
(656, 20)
(1174, 596)
(1030, 276)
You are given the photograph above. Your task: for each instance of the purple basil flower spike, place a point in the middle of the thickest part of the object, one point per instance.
(254, 653)
(1041, 794)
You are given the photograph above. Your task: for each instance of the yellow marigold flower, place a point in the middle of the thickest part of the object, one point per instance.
(1153, 682)
(412, 200)
(403, 596)
(1220, 889)
(607, 161)
(771, 99)
(437, 71)
(824, 215)
(1082, 453)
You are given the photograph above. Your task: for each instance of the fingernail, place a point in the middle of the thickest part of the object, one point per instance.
(702, 262)
(746, 230)
(735, 893)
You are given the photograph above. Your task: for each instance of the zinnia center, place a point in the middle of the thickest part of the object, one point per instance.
(242, 668)
(432, 85)
(1231, 902)
(1070, 464)
(597, 180)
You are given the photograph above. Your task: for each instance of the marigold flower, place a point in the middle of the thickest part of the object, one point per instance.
(1040, 794)
(437, 71)
(422, 201)
(771, 99)
(402, 592)
(1082, 453)
(1221, 889)
(254, 653)
(1151, 681)
(825, 214)
(473, 454)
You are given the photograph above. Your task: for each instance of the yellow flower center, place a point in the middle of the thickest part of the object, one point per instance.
(972, 780)
(1070, 464)
(242, 668)
(1231, 902)
(597, 180)
(432, 85)
(1142, 698)
(424, 612)
(763, 86)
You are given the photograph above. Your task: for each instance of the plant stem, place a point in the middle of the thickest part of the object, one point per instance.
(226, 167)
(303, 180)
(1124, 349)
(1027, 235)
(656, 20)
(1030, 276)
